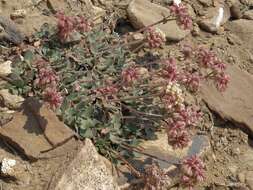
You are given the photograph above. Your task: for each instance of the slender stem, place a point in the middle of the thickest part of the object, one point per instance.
(130, 167)
(163, 20)
(142, 113)
(6, 79)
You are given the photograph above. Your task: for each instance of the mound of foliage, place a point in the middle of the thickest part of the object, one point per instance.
(102, 90)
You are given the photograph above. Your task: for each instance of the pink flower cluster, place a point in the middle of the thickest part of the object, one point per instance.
(176, 126)
(178, 135)
(155, 178)
(47, 80)
(169, 100)
(193, 171)
(155, 37)
(108, 92)
(171, 74)
(53, 97)
(209, 60)
(191, 80)
(46, 76)
(67, 24)
(130, 75)
(169, 70)
(222, 81)
(183, 18)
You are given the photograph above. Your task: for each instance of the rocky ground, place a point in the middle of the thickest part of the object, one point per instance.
(62, 161)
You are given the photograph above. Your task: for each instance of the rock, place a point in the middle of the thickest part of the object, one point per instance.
(247, 158)
(34, 130)
(9, 100)
(244, 30)
(233, 169)
(138, 36)
(142, 13)
(73, 38)
(248, 14)
(7, 167)
(215, 18)
(85, 172)
(233, 104)
(236, 11)
(191, 11)
(249, 179)
(20, 13)
(106, 3)
(167, 156)
(241, 177)
(195, 30)
(11, 32)
(5, 68)
(5, 118)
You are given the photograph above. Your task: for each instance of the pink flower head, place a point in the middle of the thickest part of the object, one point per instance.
(109, 92)
(219, 66)
(130, 75)
(188, 114)
(178, 136)
(155, 178)
(155, 37)
(169, 70)
(206, 58)
(191, 80)
(53, 97)
(169, 100)
(183, 18)
(66, 25)
(222, 81)
(46, 76)
(193, 171)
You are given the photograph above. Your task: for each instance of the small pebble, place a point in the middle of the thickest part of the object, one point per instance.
(7, 166)
(21, 13)
(241, 177)
(236, 11)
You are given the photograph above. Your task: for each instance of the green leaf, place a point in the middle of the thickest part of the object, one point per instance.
(28, 56)
(87, 133)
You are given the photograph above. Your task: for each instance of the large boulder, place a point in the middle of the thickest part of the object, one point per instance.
(35, 129)
(142, 13)
(87, 171)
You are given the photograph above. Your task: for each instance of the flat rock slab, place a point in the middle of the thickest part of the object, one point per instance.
(34, 132)
(142, 13)
(87, 171)
(166, 155)
(25, 135)
(54, 130)
(236, 103)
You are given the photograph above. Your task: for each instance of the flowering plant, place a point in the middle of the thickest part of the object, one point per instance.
(103, 91)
